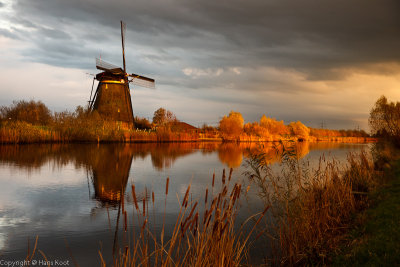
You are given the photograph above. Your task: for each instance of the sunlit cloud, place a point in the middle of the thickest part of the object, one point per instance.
(197, 73)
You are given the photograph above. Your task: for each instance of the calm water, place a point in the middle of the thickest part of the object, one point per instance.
(69, 195)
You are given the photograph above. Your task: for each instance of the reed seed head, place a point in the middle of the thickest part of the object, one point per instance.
(166, 186)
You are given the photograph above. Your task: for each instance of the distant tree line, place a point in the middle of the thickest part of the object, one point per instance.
(37, 113)
(232, 127)
(384, 121)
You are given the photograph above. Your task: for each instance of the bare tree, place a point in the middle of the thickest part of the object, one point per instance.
(384, 119)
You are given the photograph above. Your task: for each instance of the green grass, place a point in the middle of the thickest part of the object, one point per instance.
(375, 240)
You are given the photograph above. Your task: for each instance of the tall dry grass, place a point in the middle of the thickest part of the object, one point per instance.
(23, 132)
(85, 129)
(208, 238)
(311, 208)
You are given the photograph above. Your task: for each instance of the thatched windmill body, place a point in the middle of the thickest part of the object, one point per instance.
(112, 99)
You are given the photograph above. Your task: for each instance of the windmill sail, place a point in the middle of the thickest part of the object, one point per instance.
(103, 65)
(123, 29)
(142, 81)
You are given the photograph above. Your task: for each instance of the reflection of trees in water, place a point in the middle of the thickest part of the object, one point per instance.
(162, 155)
(34, 156)
(208, 147)
(108, 165)
(331, 145)
(232, 153)
(27, 156)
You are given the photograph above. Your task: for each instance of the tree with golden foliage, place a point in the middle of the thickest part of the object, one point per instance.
(253, 128)
(273, 126)
(300, 130)
(231, 127)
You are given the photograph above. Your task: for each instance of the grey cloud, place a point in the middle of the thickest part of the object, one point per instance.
(54, 34)
(8, 33)
(23, 22)
(311, 36)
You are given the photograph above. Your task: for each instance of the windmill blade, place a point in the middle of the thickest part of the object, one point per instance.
(123, 30)
(142, 81)
(103, 65)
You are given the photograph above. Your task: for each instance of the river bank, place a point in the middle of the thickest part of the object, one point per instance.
(373, 240)
(18, 132)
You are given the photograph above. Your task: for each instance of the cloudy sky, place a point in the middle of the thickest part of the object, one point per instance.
(309, 60)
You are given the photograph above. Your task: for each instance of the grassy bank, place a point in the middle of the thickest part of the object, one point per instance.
(19, 132)
(95, 130)
(374, 241)
(311, 207)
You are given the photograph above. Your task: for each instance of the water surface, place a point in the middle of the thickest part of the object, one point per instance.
(70, 195)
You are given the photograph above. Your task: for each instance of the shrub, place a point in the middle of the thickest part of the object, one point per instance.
(34, 112)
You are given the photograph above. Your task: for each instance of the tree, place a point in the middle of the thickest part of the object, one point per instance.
(300, 130)
(384, 119)
(273, 126)
(159, 116)
(163, 117)
(34, 112)
(254, 129)
(232, 126)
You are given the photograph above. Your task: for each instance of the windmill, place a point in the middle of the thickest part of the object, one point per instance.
(112, 99)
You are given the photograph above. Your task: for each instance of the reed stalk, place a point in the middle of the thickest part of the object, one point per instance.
(206, 238)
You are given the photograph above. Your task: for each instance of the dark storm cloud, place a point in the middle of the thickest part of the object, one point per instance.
(314, 37)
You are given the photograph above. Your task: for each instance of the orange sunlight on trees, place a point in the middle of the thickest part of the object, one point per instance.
(231, 127)
(385, 119)
(300, 130)
(253, 128)
(273, 126)
(269, 129)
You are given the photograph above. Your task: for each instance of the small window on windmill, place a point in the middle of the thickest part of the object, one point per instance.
(106, 86)
(118, 110)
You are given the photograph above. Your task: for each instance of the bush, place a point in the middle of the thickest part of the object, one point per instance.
(385, 120)
(300, 130)
(34, 112)
(142, 123)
